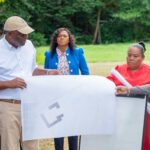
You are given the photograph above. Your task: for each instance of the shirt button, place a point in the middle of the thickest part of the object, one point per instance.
(71, 70)
(67, 54)
(56, 64)
(69, 62)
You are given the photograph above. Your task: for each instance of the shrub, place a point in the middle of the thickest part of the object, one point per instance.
(38, 39)
(84, 39)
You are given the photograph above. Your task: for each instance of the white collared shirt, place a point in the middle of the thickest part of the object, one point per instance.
(15, 62)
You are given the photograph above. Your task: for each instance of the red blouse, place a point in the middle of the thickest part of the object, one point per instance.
(140, 77)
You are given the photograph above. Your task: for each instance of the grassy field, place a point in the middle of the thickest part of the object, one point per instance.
(99, 53)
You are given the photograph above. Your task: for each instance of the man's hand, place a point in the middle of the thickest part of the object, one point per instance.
(122, 90)
(52, 72)
(17, 83)
(39, 71)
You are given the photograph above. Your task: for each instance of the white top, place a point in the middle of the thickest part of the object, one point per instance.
(15, 62)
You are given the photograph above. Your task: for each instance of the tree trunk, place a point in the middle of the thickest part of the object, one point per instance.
(97, 33)
(135, 30)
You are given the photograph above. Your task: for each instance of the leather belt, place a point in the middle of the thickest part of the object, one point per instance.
(13, 101)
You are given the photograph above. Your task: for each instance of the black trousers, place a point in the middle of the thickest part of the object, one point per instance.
(72, 140)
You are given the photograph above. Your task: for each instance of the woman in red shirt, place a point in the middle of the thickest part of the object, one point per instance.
(136, 73)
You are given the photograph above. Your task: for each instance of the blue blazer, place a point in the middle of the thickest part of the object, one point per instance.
(76, 61)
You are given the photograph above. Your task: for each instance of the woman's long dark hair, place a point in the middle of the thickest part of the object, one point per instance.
(54, 44)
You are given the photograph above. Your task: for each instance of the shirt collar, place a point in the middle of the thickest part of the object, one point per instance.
(10, 47)
(60, 53)
(7, 44)
(141, 66)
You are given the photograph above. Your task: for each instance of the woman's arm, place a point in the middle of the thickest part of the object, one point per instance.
(82, 63)
(145, 89)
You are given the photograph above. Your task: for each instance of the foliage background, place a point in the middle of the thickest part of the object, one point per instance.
(97, 21)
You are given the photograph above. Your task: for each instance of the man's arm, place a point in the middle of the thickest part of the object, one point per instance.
(20, 83)
(15, 83)
(40, 71)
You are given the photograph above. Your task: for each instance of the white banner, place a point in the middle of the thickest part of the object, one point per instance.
(58, 106)
(128, 135)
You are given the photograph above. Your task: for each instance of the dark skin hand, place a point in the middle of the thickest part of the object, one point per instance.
(40, 71)
(15, 83)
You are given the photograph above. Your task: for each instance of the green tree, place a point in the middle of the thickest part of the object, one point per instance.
(136, 12)
(90, 20)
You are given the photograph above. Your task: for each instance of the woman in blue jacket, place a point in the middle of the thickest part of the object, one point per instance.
(68, 60)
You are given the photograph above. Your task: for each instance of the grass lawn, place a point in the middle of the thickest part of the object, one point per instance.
(99, 53)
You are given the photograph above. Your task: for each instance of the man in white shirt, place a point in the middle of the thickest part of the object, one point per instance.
(17, 60)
